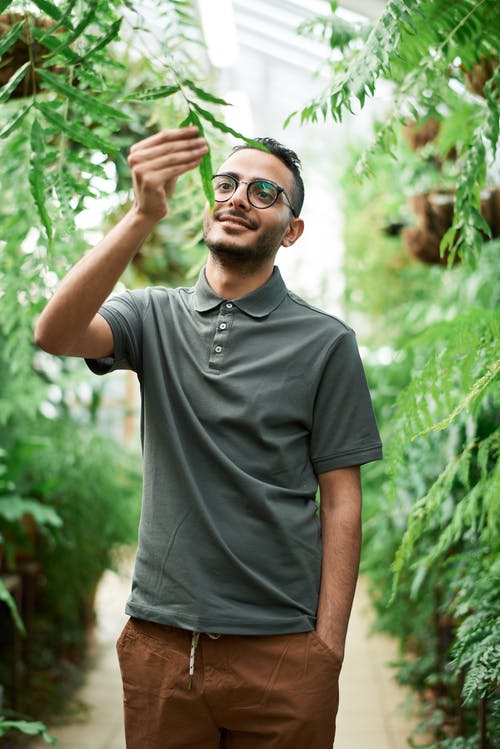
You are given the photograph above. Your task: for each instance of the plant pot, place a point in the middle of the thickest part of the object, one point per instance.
(434, 211)
(418, 134)
(481, 72)
(435, 216)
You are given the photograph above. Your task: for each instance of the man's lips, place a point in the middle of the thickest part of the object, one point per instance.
(235, 218)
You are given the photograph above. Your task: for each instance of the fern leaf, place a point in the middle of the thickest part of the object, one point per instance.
(89, 102)
(75, 131)
(10, 37)
(492, 94)
(65, 19)
(475, 391)
(85, 21)
(49, 8)
(36, 176)
(161, 92)
(204, 95)
(53, 43)
(205, 167)
(104, 41)
(12, 124)
(13, 82)
(222, 126)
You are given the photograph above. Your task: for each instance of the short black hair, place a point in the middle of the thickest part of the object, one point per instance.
(290, 160)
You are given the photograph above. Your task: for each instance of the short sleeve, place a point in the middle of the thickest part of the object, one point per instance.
(124, 314)
(344, 431)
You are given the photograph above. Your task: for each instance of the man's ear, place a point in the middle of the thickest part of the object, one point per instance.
(294, 231)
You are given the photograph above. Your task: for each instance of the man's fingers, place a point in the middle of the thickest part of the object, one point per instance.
(183, 149)
(166, 137)
(162, 161)
(157, 161)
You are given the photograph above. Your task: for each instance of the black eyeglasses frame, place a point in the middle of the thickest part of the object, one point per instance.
(237, 182)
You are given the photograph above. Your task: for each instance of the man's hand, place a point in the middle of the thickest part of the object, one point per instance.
(156, 163)
(70, 324)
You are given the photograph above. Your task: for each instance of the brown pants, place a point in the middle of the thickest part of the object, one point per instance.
(246, 692)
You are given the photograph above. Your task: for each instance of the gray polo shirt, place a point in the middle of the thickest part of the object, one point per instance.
(244, 402)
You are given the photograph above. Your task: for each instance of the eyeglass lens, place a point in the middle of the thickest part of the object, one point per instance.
(260, 193)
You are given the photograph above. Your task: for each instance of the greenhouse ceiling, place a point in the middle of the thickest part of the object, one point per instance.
(271, 28)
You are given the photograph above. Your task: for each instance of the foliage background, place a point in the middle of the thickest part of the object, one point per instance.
(432, 333)
(68, 114)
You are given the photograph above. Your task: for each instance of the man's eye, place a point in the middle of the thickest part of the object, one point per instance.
(224, 186)
(264, 191)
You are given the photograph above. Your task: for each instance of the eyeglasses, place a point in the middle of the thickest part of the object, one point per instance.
(261, 193)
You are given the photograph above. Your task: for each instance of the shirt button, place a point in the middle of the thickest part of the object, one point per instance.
(223, 326)
(229, 305)
(218, 349)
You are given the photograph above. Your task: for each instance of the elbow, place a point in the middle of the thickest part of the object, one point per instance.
(47, 342)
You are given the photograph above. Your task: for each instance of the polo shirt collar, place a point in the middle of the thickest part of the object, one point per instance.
(258, 303)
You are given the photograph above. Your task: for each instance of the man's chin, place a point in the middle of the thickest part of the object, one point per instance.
(231, 250)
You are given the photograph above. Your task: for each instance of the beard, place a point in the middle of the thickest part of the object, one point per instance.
(234, 253)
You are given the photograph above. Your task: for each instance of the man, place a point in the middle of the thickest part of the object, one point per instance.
(250, 398)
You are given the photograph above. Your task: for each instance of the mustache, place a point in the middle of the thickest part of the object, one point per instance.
(223, 213)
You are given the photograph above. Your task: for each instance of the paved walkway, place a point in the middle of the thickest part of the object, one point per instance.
(372, 714)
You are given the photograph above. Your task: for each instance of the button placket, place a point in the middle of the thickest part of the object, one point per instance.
(220, 339)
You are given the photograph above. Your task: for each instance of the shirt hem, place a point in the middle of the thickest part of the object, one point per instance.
(303, 624)
(352, 458)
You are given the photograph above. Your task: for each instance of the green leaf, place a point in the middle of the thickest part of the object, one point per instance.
(30, 728)
(6, 598)
(153, 93)
(86, 20)
(10, 37)
(4, 4)
(205, 167)
(49, 8)
(14, 508)
(11, 125)
(53, 43)
(13, 82)
(222, 126)
(204, 95)
(475, 391)
(104, 41)
(77, 132)
(89, 101)
(290, 118)
(36, 176)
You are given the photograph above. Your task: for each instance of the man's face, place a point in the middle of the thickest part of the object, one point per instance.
(236, 231)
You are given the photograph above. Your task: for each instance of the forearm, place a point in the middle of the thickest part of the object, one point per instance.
(81, 293)
(341, 541)
(69, 324)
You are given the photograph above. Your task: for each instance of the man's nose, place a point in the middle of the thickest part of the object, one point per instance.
(240, 195)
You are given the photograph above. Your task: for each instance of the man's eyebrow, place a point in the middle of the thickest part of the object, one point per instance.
(237, 176)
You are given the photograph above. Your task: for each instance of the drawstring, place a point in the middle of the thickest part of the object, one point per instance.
(194, 644)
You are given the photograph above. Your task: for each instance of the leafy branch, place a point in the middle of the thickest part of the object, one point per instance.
(196, 115)
(415, 45)
(70, 90)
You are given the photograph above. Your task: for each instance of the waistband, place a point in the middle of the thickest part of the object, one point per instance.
(194, 636)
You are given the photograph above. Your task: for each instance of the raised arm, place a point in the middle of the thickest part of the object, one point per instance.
(70, 324)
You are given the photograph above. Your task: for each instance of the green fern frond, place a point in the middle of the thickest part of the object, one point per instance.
(475, 513)
(454, 376)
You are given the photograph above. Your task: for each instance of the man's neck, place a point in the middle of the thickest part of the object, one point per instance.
(232, 283)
